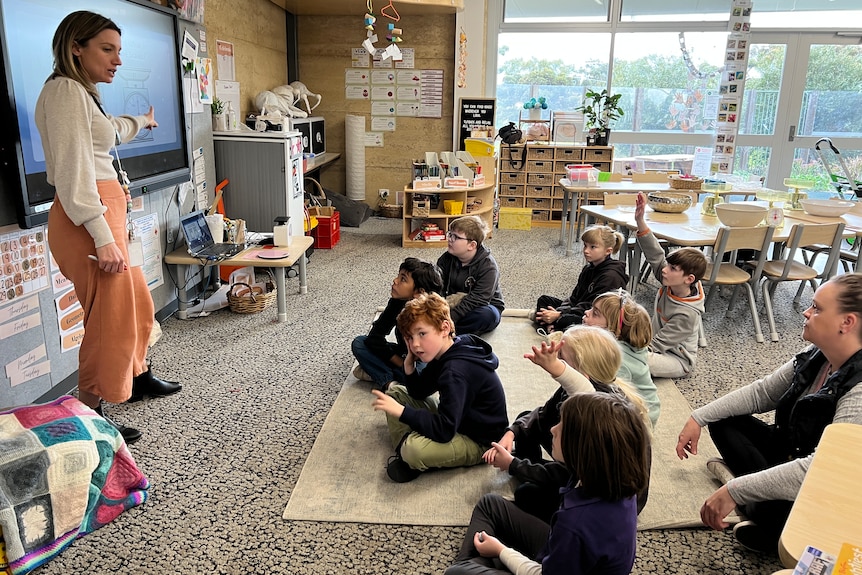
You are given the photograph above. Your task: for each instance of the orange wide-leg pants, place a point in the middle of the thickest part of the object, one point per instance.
(118, 307)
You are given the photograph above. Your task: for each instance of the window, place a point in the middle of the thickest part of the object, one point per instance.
(556, 11)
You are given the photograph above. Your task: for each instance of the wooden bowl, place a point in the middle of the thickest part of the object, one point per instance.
(669, 202)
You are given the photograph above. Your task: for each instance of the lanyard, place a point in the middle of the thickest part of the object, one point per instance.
(123, 176)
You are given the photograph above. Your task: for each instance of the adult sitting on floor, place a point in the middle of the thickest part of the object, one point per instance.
(814, 389)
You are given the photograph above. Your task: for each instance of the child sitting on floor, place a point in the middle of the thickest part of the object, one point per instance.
(679, 303)
(382, 361)
(619, 313)
(600, 275)
(604, 443)
(454, 429)
(591, 359)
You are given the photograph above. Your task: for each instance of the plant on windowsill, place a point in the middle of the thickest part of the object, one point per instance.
(600, 109)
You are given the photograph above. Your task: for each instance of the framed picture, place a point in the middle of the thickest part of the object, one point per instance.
(567, 127)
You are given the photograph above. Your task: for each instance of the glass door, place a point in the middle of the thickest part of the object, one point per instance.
(801, 88)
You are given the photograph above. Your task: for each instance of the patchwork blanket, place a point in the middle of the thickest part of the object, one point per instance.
(64, 472)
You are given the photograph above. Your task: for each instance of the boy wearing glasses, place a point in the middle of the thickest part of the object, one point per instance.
(679, 303)
(471, 278)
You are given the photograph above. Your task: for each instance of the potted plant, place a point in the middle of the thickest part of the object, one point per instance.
(600, 109)
(219, 118)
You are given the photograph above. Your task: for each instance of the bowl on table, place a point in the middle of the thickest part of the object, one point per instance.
(740, 215)
(669, 202)
(829, 208)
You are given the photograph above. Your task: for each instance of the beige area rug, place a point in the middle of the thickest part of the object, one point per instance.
(344, 478)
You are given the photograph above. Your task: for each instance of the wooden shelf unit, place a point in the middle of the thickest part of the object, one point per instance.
(534, 182)
(485, 210)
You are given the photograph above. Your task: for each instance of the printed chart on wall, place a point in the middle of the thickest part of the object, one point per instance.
(70, 314)
(24, 273)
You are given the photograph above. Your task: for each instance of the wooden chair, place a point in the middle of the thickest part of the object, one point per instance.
(788, 269)
(726, 273)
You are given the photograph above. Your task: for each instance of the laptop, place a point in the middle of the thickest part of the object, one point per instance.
(200, 241)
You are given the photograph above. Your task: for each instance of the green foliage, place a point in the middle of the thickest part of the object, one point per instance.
(601, 108)
(536, 71)
(217, 107)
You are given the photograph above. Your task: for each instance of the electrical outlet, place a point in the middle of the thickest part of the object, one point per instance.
(383, 193)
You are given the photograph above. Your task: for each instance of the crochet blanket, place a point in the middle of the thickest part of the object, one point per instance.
(64, 472)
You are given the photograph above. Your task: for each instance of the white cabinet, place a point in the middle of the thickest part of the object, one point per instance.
(264, 170)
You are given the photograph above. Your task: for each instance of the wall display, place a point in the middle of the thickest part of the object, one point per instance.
(475, 113)
(24, 267)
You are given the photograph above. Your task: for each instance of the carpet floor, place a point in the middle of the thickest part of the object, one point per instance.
(225, 455)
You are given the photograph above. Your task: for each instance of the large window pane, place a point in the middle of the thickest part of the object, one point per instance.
(805, 14)
(555, 10)
(751, 161)
(825, 169)
(832, 101)
(661, 91)
(762, 87)
(526, 70)
(675, 10)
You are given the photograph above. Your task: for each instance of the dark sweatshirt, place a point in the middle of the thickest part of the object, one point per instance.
(479, 279)
(472, 401)
(382, 326)
(609, 275)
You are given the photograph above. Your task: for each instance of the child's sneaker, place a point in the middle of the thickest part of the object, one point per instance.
(719, 469)
(360, 374)
(399, 472)
(755, 538)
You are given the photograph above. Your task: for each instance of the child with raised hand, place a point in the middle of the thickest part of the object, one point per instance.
(679, 303)
(583, 359)
(449, 413)
(604, 443)
(629, 321)
(382, 361)
(601, 274)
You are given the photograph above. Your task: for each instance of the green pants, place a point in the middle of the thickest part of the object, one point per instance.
(422, 453)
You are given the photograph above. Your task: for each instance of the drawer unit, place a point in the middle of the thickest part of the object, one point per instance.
(542, 166)
(511, 190)
(539, 191)
(570, 155)
(539, 203)
(540, 153)
(513, 177)
(511, 202)
(511, 152)
(598, 155)
(541, 215)
(540, 179)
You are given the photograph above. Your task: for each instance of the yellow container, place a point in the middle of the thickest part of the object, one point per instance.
(453, 207)
(515, 219)
(478, 147)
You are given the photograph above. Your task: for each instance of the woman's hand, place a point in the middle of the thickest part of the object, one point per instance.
(111, 259)
(386, 403)
(498, 456)
(545, 356)
(716, 507)
(688, 439)
(487, 545)
(151, 119)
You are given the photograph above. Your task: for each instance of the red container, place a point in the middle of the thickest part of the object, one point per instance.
(328, 231)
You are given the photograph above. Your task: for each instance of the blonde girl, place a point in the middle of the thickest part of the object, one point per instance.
(583, 359)
(629, 321)
(601, 274)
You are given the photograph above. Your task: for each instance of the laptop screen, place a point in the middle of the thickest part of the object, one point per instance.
(196, 231)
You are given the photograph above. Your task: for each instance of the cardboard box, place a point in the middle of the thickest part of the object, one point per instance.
(515, 219)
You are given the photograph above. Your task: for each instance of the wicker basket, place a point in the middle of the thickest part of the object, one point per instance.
(678, 183)
(389, 211)
(252, 300)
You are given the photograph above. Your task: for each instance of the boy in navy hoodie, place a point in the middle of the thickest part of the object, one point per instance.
(456, 428)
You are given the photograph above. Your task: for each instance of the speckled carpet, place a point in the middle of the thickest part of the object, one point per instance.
(224, 455)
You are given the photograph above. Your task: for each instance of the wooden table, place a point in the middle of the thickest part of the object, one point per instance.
(828, 509)
(691, 228)
(570, 214)
(296, 252)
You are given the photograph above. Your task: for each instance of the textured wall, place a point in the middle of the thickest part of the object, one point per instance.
(324, 54)
(258, 31)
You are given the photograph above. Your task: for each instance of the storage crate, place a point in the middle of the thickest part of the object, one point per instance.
(540, 215)
(512, 190)
(453, 207)
(515, 219)
(569, 155)
(512, 177)
(539, 191)
(598, 154)
(328, 231)
(540, 179)
(543, 203)
(540, 153)
(545, 166)
(507, 152)
(511, 202)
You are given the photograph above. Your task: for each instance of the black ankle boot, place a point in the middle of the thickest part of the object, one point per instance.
(130, 434)
(148, 384)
